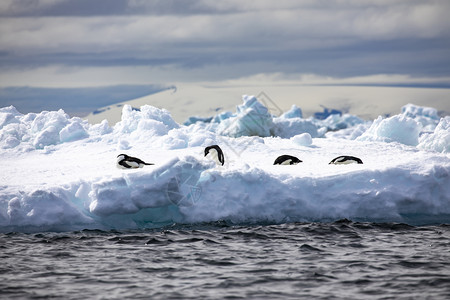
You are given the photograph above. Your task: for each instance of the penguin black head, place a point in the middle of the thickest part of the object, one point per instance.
(216, 153)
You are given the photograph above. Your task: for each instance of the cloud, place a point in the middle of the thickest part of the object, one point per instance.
(296, 28)
(204, 39)
(39, 8)
(26, 8)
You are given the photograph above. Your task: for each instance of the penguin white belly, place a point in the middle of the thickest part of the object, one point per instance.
(286, 162)
(214, 156)
(134, 164)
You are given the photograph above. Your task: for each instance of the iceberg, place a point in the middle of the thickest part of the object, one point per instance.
(439, 139)
(294, 112)
(59, 173)
(426, 116)
(399, 128)
(251, 119)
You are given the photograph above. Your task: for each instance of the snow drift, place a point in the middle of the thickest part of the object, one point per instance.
(58, 172)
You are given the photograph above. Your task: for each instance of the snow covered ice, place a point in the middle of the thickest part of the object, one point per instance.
(59, 173)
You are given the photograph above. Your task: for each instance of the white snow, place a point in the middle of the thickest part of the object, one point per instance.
(302, 139)
(59, 173)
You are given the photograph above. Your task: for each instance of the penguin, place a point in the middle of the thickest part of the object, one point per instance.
(344, 160)
(287, 160)
(215, 153)
(128, 162)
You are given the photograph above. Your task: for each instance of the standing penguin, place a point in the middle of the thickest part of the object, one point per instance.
(345, 159)
(215, 153)
(128, 162)
(287, 160)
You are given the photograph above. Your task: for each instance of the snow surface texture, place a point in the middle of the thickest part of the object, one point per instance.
(58, 173)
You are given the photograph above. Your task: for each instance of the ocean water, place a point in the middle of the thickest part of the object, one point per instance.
(341, 260)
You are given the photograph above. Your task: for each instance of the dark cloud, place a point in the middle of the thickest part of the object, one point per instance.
(408, 56)
(36, 8)
(30, 8)
(232, 38)
(11, 60)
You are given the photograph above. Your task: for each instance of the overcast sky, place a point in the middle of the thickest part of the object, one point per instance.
(85, 43)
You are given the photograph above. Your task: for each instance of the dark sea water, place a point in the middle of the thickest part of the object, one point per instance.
(341, 260)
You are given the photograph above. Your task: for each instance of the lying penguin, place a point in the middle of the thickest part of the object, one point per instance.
(345, 159)
(287, 160)
(128, 162)
(216, 154)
